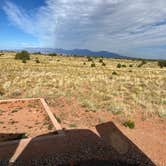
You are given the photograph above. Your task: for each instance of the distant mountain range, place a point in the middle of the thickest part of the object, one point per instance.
(84, 52)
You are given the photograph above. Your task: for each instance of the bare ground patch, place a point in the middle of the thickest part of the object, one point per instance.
(21, 119)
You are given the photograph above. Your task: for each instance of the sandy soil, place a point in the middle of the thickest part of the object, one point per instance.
(27, 118)
(72, 116)
(149, 134)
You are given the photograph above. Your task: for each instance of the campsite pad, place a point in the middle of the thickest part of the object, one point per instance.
(23, 118)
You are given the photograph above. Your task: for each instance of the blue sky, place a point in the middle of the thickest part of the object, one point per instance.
(131, 28)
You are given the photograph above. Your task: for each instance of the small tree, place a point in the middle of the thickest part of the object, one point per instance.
(23, 55)
(162, 63)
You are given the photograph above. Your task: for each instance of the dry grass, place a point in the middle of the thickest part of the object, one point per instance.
(132, 89)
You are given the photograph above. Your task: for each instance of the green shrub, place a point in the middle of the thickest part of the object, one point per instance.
(114, 73)
(119, 65)
(101, 61)
(103, 64)
(162, 63)
(89, 59)
(93, 65)
(130, 65)
(37, 60)
(52, 54)
(37, 53)
(129, 124)
(123, 65)
(24, 61)
(23, 55)
(84, 63)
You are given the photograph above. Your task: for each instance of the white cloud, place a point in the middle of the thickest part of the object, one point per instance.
(116, 25)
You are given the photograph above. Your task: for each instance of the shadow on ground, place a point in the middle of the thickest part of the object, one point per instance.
(78, 147)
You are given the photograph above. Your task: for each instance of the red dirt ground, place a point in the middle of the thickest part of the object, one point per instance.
(149, 134)
(72, 115)
(27, 117)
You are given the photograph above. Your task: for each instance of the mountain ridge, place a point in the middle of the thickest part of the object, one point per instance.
(83, 52)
